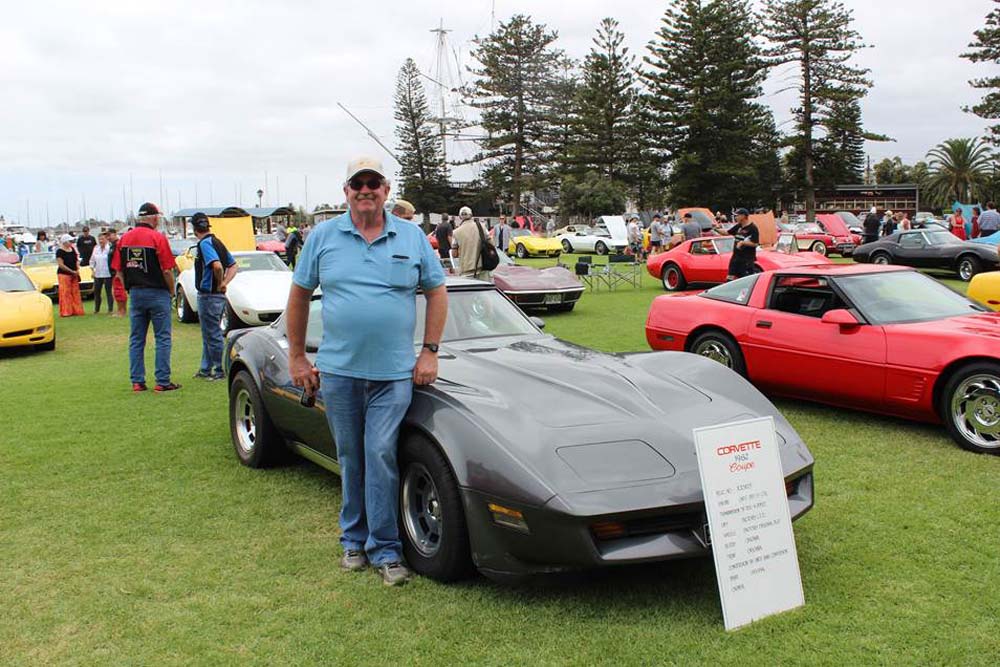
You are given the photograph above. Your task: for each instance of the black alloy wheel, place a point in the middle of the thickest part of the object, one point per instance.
(254, 435)
(432, 520)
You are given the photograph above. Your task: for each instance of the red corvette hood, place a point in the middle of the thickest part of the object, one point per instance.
(769, 259)
(525, 278)
(271, 246)
(980, 324)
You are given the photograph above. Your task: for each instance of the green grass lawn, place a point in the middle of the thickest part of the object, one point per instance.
(130, 536)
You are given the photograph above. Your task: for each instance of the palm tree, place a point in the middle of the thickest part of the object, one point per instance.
(959, 169)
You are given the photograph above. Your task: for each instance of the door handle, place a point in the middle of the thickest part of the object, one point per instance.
(763, 324)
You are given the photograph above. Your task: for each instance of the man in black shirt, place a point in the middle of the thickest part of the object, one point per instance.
(443, 235)
(85, 246)
(745, 249)
(872, 225)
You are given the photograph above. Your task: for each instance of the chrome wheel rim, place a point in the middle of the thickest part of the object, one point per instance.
(672, 278)
(819, 248)
(566, 246)
(224, 320)
(965, 270)
(422, 510)
(521, 252)
(880, 259)
(716, 351)
(975, 410)
(180, 305)
(600, 248)
(246, 422)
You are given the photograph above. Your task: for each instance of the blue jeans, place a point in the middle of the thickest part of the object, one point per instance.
(364, 417)
(149, 304)
(210, 307)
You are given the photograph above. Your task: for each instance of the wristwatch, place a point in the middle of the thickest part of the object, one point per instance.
(433, 347)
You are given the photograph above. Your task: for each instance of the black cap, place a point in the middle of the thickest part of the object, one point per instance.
(200, 222)
(742, 211)
(149, 208)
(688, 215)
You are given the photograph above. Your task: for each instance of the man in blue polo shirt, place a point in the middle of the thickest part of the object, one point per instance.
(369, 264)
(214, 268)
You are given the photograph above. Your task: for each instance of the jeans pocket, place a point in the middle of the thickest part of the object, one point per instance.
(403, 273)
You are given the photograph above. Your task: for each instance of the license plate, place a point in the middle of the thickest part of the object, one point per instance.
(553, 298)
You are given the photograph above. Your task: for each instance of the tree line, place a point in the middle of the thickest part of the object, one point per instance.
(685, 124)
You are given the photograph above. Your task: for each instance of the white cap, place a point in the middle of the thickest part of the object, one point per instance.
(65, 238)
(364, 163)
(465, 212)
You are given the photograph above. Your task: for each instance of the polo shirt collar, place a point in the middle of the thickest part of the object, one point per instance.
(346, 224)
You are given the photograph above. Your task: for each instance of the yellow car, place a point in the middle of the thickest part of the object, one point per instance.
(985, 288)
(524, 244)
(25, 314)
(41, 268)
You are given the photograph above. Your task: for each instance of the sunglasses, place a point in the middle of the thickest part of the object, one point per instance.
(373, 183)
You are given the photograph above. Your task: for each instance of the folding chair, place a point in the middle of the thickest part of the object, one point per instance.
(623, 269)
(592, 275)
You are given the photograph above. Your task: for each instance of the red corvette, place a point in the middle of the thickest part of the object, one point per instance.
(706, 260)
(270, 243)
(877, 338)
(828, 235)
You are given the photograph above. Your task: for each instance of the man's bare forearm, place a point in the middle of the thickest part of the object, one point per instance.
(296, 320)
(437, 313)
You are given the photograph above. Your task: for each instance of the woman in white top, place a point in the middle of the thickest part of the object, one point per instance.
(100, 263)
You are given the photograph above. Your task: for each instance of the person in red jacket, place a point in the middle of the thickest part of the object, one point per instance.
(958, 224)
(144, 260)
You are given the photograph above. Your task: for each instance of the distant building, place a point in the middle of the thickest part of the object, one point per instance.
(903, 197)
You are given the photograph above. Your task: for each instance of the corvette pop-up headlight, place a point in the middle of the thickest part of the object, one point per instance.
(509, 518)
(43, 329)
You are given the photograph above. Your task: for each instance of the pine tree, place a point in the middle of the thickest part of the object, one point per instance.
(606, 103)
(703, 73)
(816, 36)
(423, 173)
(986, 48)
(513, 92)
(841, 153)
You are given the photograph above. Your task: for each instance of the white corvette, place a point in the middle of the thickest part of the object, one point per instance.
(581, 238)
(256, 296)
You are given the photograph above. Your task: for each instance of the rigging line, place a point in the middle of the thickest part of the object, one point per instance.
(370, 133)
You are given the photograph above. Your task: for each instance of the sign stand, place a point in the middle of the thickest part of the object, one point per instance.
(750, 527)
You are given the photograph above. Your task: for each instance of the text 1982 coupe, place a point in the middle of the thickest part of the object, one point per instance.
(529, 454)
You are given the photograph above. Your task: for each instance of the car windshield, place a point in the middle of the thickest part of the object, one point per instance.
(265, 261)
(520, 232)
(942, 237)
(849, 219)
(39, 259)
(263, 238)
(471, 314)
(702, 219)
(903, 296)
(14, 280)
(809, 229)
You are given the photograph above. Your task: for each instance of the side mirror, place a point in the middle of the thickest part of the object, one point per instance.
(841, 317)
(537, 321)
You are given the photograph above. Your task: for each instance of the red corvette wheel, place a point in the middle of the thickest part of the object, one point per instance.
(970, 407)
(720, 346)
(673, 278)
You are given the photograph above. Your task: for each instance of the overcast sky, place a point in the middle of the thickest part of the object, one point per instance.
(213, 95)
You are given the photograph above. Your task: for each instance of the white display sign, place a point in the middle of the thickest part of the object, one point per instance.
(749, 523)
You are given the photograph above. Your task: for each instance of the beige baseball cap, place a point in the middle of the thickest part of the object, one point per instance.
(404, 205)
(364, 163)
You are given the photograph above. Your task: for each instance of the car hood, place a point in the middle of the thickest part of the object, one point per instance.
(520, 278)
(538, 242)
(986, 325)
(261, 290)
(770, 259)
(31, 307)
(586, 421)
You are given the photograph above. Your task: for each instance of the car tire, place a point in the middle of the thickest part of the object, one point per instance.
(882, 258)
(969, 407)
(230, 321)
(185, 313)
(721, 347)
(431, 515)
(673, 278)
(968, 266)
(600, 248)
(521, 251)
(819, 248)
(255, 438)
(561, 308)
(47, 347)
(567, 246)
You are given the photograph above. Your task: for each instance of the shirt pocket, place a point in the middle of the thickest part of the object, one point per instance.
(403, 272)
